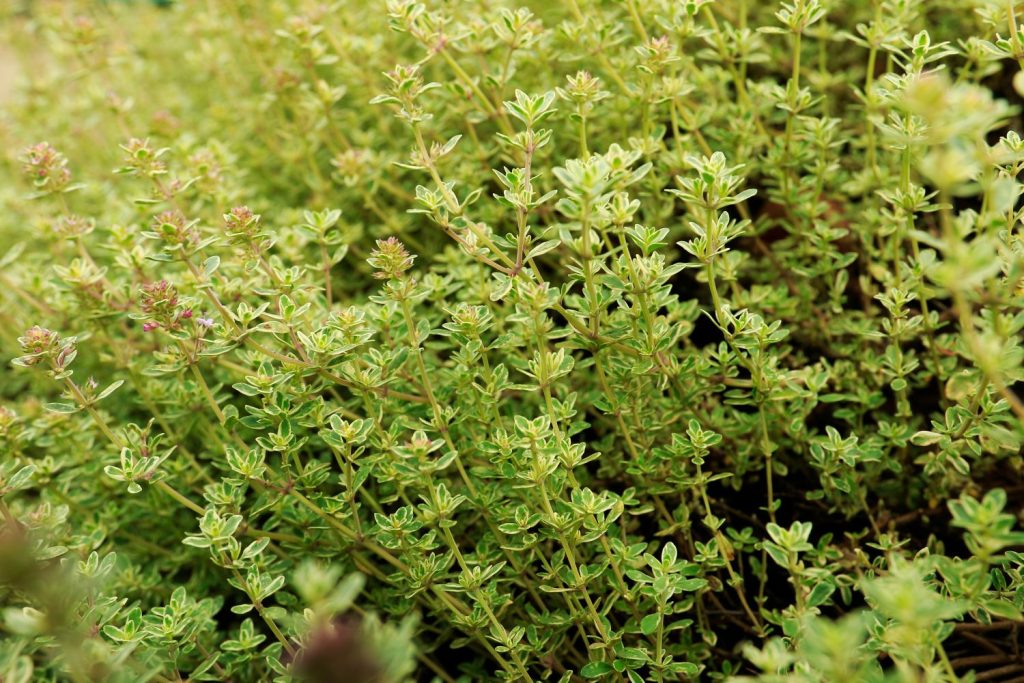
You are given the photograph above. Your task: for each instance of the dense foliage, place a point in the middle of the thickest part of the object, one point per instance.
(630, 340)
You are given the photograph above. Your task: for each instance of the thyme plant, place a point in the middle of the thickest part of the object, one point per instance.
(620, 340)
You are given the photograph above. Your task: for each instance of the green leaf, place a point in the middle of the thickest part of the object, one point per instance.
(692, 584)
(20, 478)
(109, 390)
(820, 593)
(777, 554)
(502, 288)
(272, 587)
(926, 438)
(12, 254)
(65, 408)
(1002, 609)
(649, 624)
(596, 669)
(633, 653)
(543, 248)
(255, 549)
(210, 265)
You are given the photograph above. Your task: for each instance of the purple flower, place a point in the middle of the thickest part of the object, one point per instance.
(205, 322)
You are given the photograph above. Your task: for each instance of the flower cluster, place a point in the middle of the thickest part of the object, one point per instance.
(42, 346)
(38, 343)
(174, 229)
(159, 303)
(391, 259)
(46, 167)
